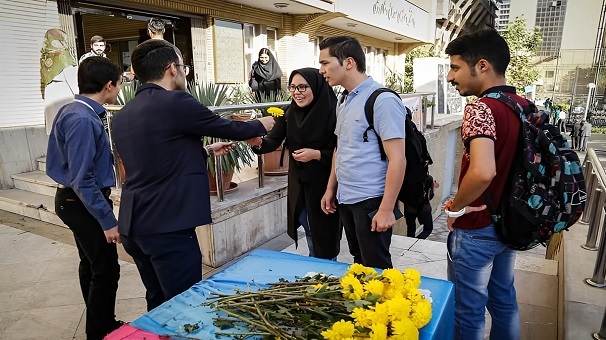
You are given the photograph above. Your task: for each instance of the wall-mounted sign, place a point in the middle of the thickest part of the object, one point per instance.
(398, 16)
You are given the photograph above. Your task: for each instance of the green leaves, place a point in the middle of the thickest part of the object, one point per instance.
(523, 45)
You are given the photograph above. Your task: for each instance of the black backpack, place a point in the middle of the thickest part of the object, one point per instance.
(417, 188)
(545, 192)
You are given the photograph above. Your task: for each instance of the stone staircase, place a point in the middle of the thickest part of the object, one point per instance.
(32, 196)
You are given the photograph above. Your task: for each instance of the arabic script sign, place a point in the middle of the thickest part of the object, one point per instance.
(398, 16)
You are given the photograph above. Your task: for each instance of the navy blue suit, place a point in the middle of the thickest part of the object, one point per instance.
(166, 194)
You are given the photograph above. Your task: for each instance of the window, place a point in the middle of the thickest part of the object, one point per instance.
(250, 55)
(272, 39)
(549, 74)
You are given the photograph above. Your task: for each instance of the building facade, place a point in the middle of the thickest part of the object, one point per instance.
(219, 38)
(571, 55)
(502, 20)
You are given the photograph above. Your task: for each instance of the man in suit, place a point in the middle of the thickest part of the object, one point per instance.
(575, 135)
(585, 134)
(166, 192)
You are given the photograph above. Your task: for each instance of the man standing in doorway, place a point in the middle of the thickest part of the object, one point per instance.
(364, 185)
(479, 264)
(79, 159)
(166, 193)
(155, 28)
(97, 48)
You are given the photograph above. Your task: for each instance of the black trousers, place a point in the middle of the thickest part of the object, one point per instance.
(425, 219)
(169, 263)
(99, 270)
(370, 248)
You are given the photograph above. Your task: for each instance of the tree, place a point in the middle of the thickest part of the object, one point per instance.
(523, 45)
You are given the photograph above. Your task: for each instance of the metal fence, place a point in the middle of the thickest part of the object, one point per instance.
(112, 109)
(595, 179)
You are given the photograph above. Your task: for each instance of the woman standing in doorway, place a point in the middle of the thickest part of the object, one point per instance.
(308, 127)
(265, 76)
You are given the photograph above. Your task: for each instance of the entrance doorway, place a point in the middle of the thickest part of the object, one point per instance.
(124, 29)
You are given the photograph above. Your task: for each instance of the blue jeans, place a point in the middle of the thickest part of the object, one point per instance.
(481, 268)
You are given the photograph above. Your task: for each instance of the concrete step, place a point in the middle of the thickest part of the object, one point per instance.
(35, 181)
(41, 163)
(30, 204)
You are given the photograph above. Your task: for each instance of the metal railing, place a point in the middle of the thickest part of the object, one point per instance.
(111, 109)
(595, 179)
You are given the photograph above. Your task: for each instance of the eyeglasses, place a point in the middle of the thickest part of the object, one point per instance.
(300, 88)
(185, 68)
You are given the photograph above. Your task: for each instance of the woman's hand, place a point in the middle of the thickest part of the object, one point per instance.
(222, 148)
(305, 155)
(255, 141)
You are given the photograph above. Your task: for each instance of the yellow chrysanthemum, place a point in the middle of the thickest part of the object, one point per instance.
(414, 276)
(390, 292)
(340, 330)
(374, 287)
(398, 308)
(421, 313)
(395, 278)
(362, 317)
(414, 295)
(378, 331)
(351, 288)
(275, 111)
(381, 314)
(404, 330)
(318, 286)
(358, 270)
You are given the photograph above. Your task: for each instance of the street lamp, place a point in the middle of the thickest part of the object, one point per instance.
(590, 86)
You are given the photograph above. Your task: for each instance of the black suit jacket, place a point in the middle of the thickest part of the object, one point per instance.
(158, 135)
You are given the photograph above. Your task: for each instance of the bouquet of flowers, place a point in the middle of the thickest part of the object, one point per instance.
(362, 304)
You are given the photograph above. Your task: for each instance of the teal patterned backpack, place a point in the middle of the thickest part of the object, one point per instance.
(545, 193)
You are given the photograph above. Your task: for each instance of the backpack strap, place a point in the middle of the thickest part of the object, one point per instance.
(369, 112)
(510, 102)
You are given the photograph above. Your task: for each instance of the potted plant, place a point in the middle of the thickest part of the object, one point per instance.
(275, 163)
(210, 94)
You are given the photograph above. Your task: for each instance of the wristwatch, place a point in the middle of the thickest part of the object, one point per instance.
(453, 214)
(209, 151)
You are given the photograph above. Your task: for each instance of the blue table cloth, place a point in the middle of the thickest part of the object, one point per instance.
(266, 266)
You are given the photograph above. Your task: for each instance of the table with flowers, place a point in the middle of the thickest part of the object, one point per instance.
(207, 310)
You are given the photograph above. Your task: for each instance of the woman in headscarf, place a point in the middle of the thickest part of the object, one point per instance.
(58, 74)
(265, 77)
(308, 126)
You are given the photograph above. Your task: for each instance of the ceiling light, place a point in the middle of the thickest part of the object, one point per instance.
(280, 5)
(351, 24)
(398, 38)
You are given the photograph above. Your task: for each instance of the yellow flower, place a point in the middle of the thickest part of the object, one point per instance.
(378, 332)
(404, 330)
(395, 278)
(414, 276)
(381, 314)
(398, 308)
(275, 111)
(351, 288)
(357, 269)
(374, 287)
(414, 295)
(362, 317)
(318, 286)
(340, 330)
(421, 313)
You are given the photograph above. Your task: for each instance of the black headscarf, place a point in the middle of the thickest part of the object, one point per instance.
(315, 122)
(269, 71)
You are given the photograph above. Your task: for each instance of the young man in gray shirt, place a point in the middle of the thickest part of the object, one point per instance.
(365, 186)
